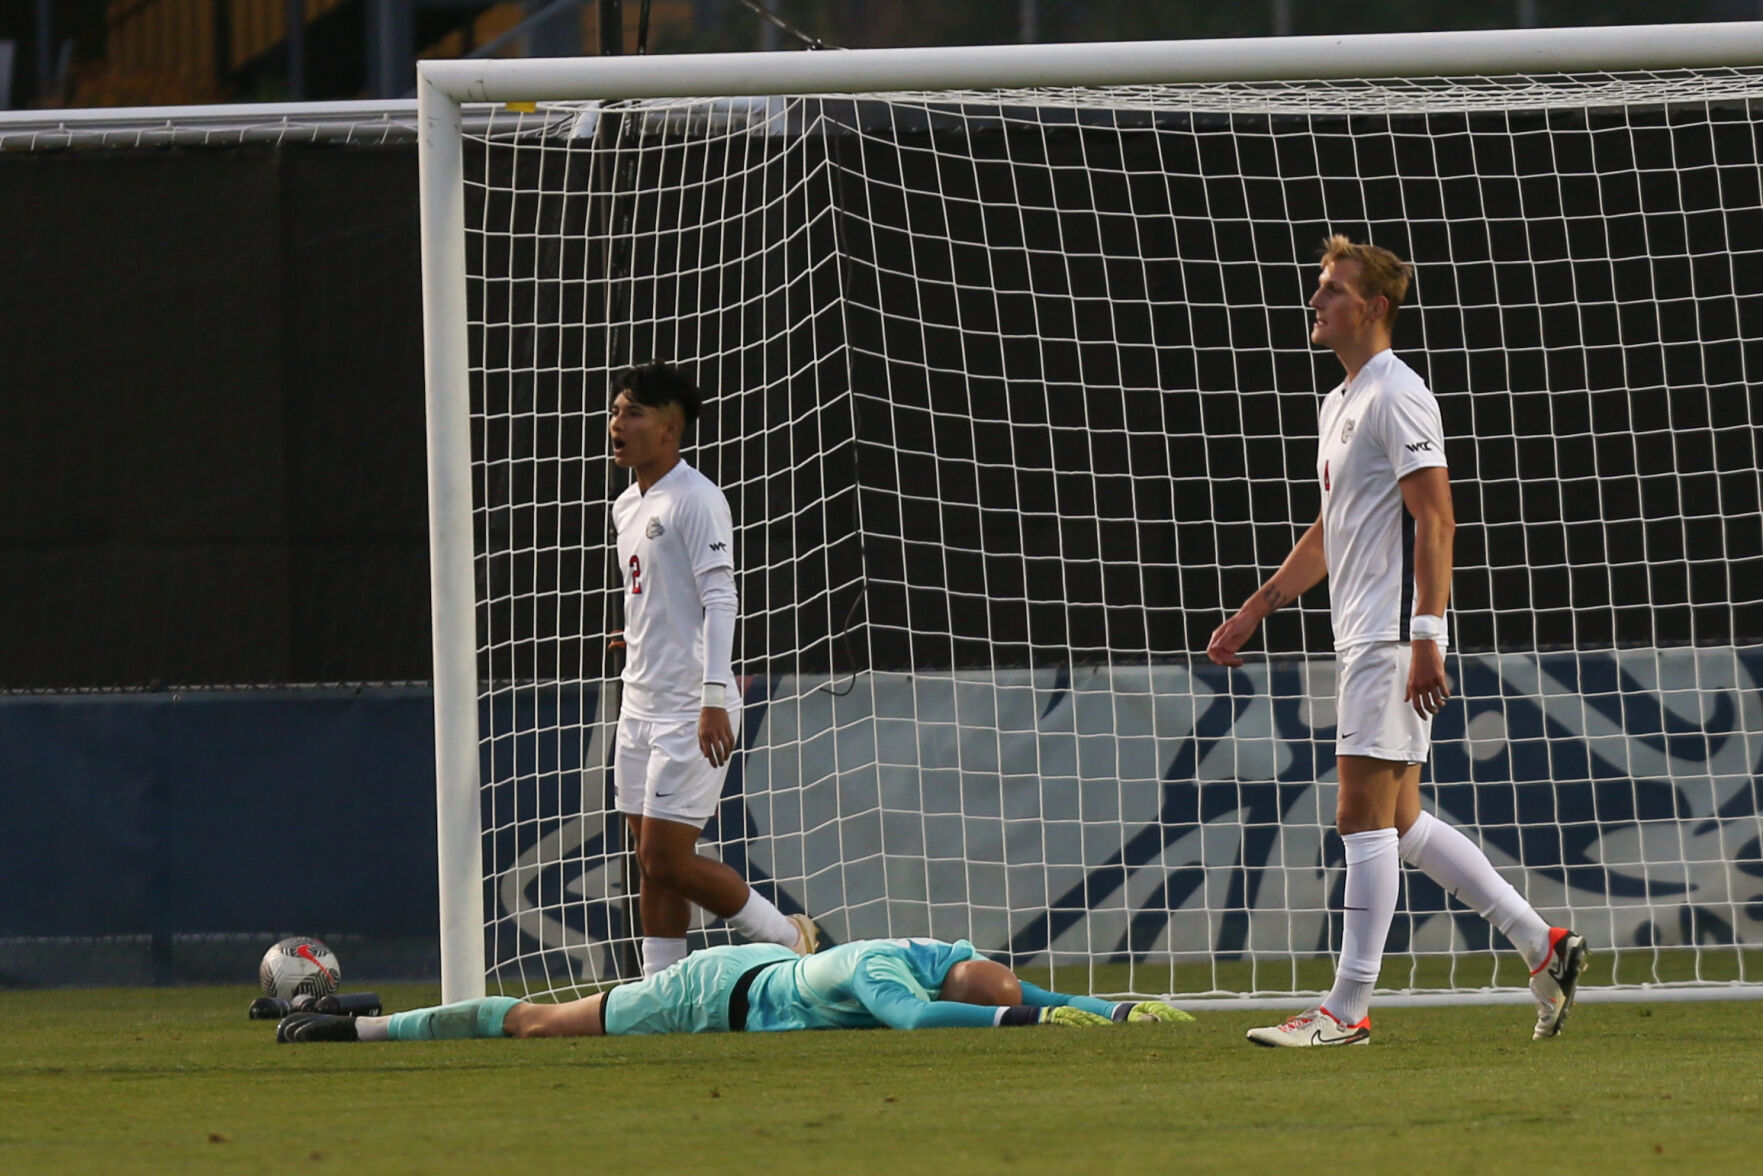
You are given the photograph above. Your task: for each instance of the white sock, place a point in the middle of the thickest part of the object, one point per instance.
(660, 954)
(1449, 858)
(372, 1028)
(1373, 877)
(760, 922)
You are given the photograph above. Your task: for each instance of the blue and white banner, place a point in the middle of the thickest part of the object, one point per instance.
(1161, 812)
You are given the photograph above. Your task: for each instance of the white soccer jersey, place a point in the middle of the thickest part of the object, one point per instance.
(1374, 431)
(666, 538)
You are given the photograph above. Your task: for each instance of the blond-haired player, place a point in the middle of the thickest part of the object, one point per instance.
(1383, 539)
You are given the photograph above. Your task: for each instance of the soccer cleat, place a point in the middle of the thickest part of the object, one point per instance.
(1151, 1012)
(807, 935)
(348, 1004)
(1072, 1018)
(300, 1028)
(1315, 1026)
(1557, 981)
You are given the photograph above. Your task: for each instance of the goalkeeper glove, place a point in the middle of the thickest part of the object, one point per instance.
(1071, 1018)
(1150, 1012)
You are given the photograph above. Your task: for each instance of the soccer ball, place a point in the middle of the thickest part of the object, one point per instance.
(299, 964)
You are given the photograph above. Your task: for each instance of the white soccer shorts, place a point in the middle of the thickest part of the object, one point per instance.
(660, 772)
(1371, 717)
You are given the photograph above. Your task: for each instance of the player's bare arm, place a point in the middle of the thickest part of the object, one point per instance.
(1302, 570)
(1427, 495)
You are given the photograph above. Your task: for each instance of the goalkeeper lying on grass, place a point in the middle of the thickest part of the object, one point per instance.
(898, 983)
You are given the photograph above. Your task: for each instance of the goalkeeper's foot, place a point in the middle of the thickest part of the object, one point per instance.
(1557, 982)
(1151, 1011)
(300, 1028)
(1072, 1018)
(807, 935)
(1315, 1026)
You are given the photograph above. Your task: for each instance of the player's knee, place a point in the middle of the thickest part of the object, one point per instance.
(524, 1020)
(663, 864)
(1360, 811)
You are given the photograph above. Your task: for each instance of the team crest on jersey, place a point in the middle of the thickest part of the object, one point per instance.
(1347, 430)
(654, 530)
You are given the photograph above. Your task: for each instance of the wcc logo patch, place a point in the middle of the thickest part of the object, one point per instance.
(1347, 430)
(654, 530)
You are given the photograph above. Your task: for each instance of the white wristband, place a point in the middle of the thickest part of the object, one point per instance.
(1426, 628)
(715, 695)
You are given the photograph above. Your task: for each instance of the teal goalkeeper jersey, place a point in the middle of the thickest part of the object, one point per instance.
(864, 985)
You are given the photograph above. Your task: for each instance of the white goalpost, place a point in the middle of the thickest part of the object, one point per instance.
(1009, 386)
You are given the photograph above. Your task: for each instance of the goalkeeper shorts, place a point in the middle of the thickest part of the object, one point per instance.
(692, 996)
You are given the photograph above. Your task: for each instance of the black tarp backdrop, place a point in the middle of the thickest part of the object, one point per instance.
(215, 446)
(213, 427)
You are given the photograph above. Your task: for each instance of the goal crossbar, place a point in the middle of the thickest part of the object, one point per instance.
(1235, 59)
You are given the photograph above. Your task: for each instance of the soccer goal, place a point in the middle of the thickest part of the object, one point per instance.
(1012, 396)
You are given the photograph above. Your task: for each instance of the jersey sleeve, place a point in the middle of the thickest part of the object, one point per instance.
(887, 988)
(706, 530)
(1409, 425)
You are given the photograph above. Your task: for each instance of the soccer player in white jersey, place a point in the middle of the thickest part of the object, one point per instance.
(677, 719)
(1384, 540)
(865, 984)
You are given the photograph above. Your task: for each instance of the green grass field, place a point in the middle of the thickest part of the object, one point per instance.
(178, 1080)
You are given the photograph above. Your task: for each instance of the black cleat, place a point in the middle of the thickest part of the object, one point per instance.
(348, 1004)
(300, 1028)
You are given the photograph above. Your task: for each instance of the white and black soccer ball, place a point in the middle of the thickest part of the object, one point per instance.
(299, 964)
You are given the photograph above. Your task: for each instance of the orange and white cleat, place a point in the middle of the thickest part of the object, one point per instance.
(1315, 1026)
(1556, 982)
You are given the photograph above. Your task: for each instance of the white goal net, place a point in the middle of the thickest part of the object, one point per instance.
(1011, 394)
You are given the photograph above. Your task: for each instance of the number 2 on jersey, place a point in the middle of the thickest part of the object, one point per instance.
(636, 576)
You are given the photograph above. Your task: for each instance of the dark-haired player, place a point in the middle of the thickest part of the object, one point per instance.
(677, 720)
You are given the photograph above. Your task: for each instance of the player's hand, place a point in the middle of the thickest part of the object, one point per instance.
(1155, 1012)
(1229, 637)
(716, 739)
(1428, 688)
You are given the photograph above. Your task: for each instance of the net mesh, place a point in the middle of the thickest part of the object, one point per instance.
(1013, 400)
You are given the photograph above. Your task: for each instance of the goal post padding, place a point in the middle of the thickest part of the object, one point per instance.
(1013, 401)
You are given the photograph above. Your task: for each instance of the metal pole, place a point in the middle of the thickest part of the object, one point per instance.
(452, 579)
(391, 56)
(296, 13)
(607, 133)
(611, 28)
(45, 52)
(222, 27)
(853, 71)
